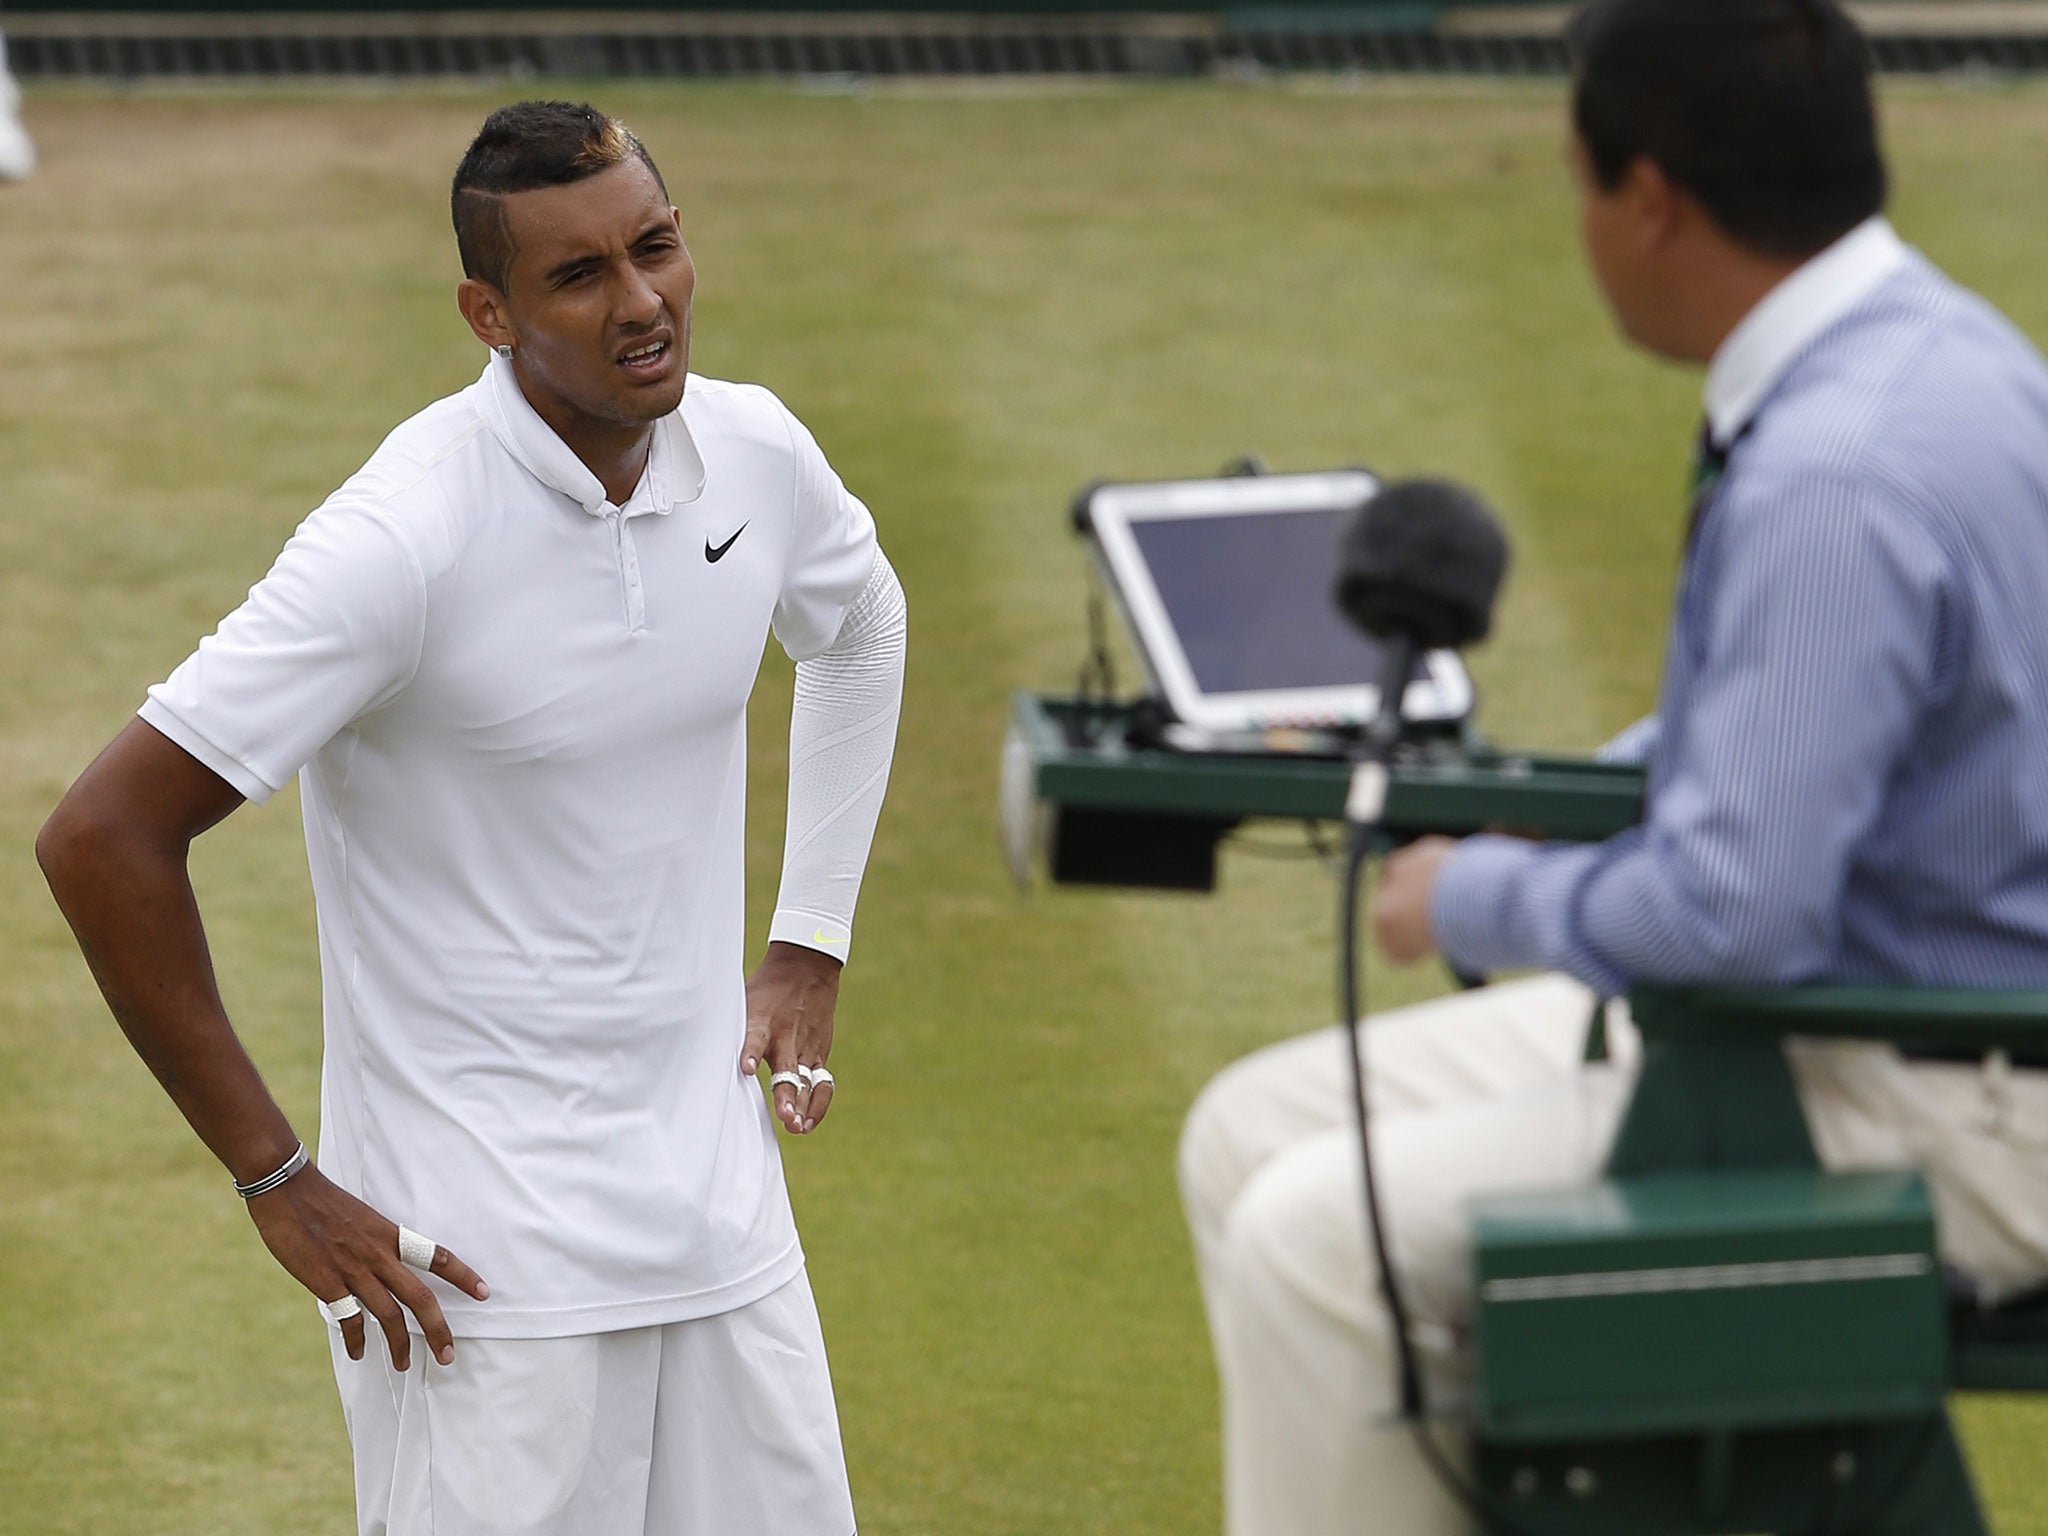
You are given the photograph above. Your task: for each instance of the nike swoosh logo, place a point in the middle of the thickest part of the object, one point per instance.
(820, 936)
(718, 554)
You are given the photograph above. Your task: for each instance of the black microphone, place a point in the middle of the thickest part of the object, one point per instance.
(1420, 569)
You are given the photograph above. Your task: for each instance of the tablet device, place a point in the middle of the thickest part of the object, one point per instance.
(1227, 586)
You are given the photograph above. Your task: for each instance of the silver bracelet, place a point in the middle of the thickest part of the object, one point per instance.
(270, 1181)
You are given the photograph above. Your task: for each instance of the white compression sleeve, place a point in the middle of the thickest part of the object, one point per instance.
(842, 738)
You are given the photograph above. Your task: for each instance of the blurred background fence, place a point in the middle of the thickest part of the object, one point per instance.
(133, 39)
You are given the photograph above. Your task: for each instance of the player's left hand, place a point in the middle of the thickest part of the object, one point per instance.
(790, 1001)
(1400, 911)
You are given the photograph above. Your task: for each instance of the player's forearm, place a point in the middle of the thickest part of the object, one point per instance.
(128, 897)
(842, 743)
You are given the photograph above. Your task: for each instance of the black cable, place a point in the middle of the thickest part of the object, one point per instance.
(1314, 845)
(1362, 840)
(1350, 984)
(1097, 682)
(1318, 844)
(1474, 1500)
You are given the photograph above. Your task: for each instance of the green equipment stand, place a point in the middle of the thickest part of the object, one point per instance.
(1715, 1337)
(1107, 813)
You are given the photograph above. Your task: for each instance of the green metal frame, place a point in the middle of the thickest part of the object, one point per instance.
(1451, 786)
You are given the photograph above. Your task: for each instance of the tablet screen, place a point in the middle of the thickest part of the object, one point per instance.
(1250, 598)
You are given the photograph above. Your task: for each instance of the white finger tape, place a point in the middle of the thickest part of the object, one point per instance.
(414, 1250)
(820, 1078)
(786, 1077)
(805, 1075)
(336, 1311)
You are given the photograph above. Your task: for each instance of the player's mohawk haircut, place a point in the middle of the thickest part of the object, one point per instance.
(522, 147)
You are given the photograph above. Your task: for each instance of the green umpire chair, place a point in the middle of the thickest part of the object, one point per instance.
(1720, 1337)
(1716, 1337)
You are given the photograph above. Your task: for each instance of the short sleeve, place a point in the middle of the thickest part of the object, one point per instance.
(832, 552)
(333, 631)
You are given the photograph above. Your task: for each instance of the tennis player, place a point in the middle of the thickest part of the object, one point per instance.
(509, 662)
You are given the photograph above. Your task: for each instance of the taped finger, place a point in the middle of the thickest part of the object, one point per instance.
(415, 1251)
(821, 1100)
(342, 1309)
(788, 1088)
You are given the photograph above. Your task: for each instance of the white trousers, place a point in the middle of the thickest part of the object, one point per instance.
(720, 1426)
(1486, 1091)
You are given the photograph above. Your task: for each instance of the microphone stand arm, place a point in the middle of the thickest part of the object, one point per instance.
(1383, 732)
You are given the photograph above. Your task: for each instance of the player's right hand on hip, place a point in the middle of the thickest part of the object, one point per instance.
(338, 1247)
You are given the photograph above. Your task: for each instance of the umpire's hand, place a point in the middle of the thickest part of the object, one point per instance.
(790, 1001)
(1400, 914)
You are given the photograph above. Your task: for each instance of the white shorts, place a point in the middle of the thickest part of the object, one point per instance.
(720, 1426)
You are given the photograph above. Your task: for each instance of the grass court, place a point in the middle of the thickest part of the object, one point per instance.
(213, 306)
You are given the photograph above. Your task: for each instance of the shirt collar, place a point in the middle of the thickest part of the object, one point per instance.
(675, 469)
(1755, 355)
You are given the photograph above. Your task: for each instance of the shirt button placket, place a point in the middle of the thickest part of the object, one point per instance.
(636, 601)
(629, 572)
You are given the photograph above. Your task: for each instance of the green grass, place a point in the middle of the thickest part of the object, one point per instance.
(211, 308)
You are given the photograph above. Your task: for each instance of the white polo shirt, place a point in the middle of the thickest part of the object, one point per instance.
(518, 717)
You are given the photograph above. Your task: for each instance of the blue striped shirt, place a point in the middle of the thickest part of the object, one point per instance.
(1850, 775)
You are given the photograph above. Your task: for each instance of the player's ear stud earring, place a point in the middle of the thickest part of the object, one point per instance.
(504, 350)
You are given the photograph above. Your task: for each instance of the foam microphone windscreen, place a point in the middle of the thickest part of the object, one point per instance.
(1424, 558)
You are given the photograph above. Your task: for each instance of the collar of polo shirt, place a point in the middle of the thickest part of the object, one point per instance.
(675, 469)
(1748, 365)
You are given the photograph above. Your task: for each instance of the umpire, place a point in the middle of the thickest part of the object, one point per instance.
(1845, 770)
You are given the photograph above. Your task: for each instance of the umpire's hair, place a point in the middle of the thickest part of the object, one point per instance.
(1759, 108)
(528, 145)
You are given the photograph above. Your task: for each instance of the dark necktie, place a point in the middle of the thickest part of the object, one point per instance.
(1709, 462)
